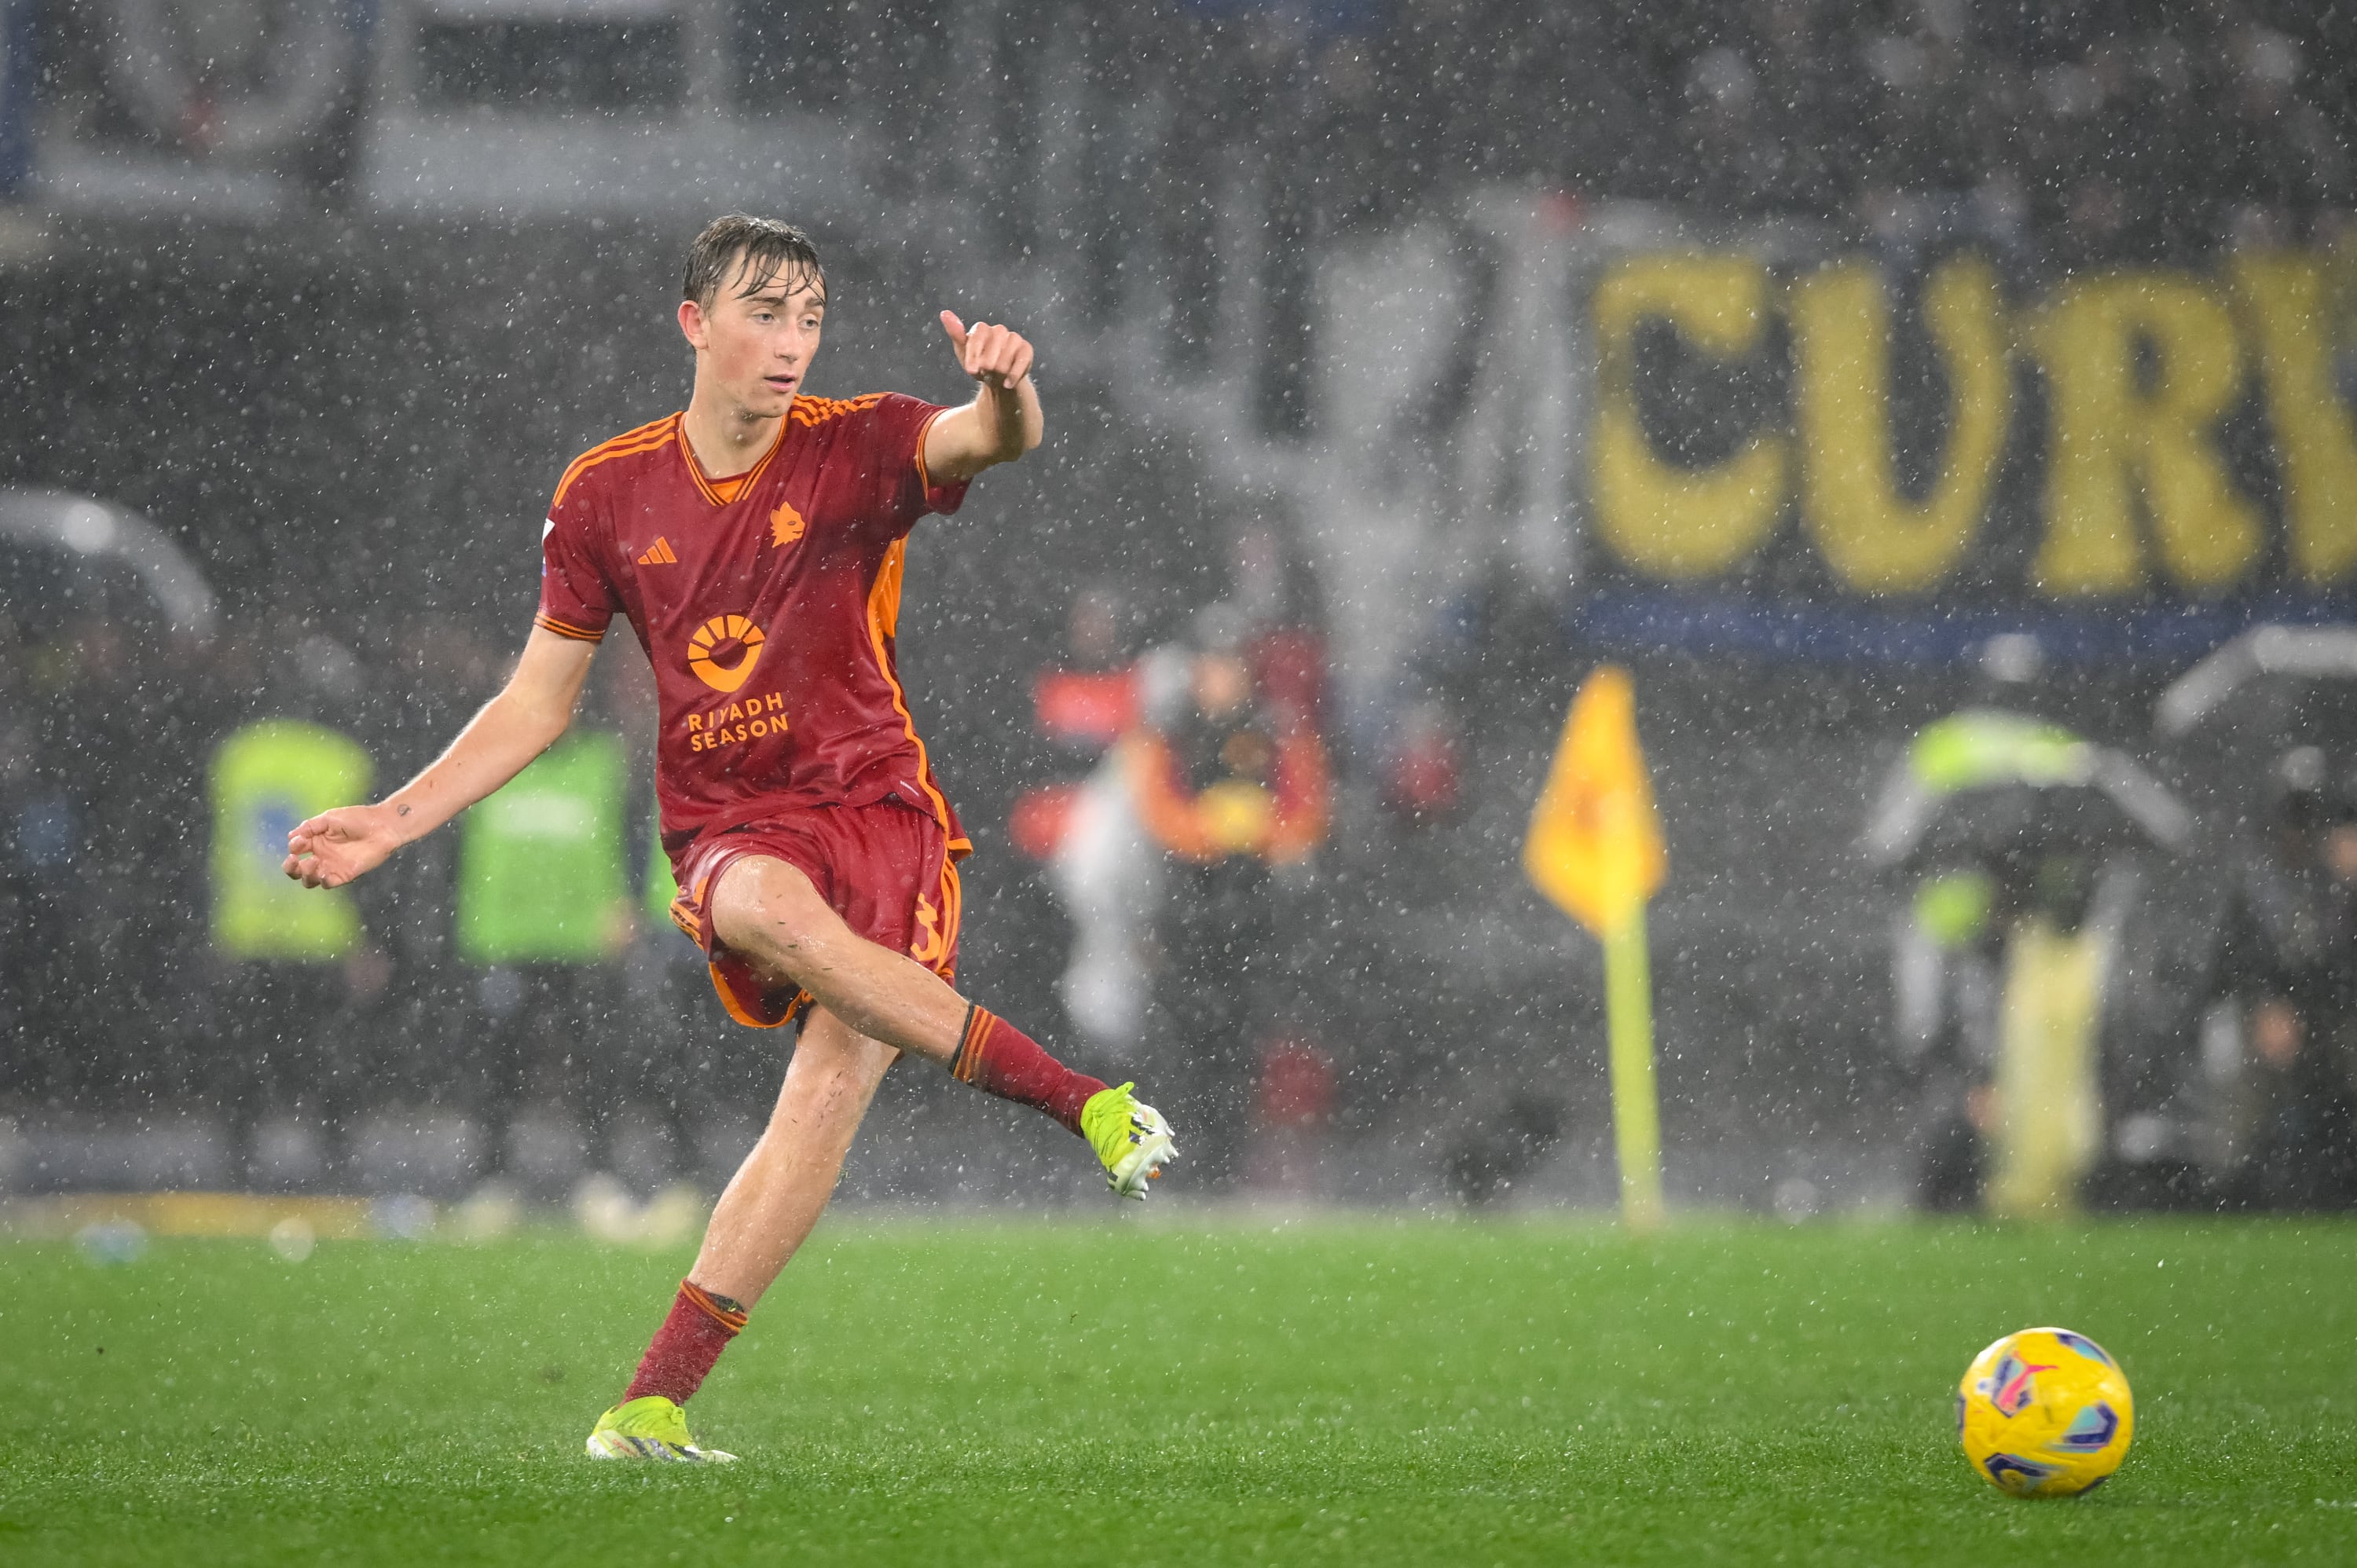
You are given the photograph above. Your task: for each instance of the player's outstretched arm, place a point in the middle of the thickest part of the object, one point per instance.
(1003, 422)
(531, 711)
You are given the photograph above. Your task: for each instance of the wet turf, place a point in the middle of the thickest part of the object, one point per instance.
(1366, 1393)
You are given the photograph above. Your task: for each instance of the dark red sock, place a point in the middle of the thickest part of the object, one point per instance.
(999, 1058)
(693, 1335)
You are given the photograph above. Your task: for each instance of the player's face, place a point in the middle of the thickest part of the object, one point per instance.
(757, 346)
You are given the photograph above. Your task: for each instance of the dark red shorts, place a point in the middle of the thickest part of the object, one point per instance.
(885, 868)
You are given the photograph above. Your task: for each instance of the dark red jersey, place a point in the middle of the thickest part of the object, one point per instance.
(766, 602)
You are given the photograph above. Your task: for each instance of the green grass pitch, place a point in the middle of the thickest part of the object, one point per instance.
(1344, 1391)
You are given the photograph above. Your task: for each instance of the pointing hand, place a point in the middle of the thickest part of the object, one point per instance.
(997, 357)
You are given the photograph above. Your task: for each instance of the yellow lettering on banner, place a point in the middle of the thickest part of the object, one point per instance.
(1657, 516)
(1872, 536)
(2111, 439)
(2285, 298)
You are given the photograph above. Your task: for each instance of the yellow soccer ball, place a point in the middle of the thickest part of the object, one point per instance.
(2045, 1414)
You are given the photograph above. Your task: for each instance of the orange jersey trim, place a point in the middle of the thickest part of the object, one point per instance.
(952, 915)
(925, 478)
(746, 1016)
(883, 621)
(645, 438)
(812, 411)
(805, 411)
(566, 629)
(738, 483)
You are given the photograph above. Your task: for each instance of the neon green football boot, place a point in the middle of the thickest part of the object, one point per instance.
(1132, 1140)
(650, 1427)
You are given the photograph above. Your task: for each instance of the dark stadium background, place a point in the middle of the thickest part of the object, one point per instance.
(349, 402)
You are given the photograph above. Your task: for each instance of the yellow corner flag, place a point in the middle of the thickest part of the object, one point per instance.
(1595, 850)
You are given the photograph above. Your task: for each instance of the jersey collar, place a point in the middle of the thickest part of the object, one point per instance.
(744, 481)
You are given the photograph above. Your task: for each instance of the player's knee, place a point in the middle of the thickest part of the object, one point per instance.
(768, 911)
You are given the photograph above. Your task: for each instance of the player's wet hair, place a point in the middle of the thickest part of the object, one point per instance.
(772, 252)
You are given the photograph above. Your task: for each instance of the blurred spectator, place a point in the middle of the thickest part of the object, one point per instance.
(1228, 776)
(291, 961)
(1423, 777)
(2289, 960)
(544, 911)
(1292, 1115)
(1277, 602)
(428, 1051)
(671, 1077)
(1485, 647)
(2000, 974)
(1099, 863)
(1234, 792)
(296, 974)
(2016, 969)
(1090, 699)
(1107, 866)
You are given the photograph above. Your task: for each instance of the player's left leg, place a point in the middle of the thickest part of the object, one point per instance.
(770, 911)
(761, 1220)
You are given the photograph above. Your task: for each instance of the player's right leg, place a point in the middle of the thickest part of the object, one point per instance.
(783, 1184)
(761, 1220)
(871, 1004)
(768, 912)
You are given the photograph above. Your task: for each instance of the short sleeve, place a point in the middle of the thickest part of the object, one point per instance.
(894, 443)
(576, 595)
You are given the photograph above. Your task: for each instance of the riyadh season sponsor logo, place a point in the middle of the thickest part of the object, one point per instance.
(722, 652)
(739, 721)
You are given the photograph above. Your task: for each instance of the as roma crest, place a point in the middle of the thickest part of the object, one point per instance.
(786, 525)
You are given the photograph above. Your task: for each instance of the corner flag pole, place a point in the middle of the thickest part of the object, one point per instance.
(1594, 851)
(1636, 1106)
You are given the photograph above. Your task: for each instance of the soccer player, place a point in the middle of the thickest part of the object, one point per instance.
(754, 542)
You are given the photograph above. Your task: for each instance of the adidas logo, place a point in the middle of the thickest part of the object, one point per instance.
(659, 554)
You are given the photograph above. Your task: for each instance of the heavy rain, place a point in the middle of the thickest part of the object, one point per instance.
(1716, 642)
